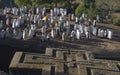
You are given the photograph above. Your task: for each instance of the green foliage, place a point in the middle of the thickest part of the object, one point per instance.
(20, 3)
(79, 10)
(86, 6)
(91, 12)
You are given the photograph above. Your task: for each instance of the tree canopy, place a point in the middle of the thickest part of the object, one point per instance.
(20, 3)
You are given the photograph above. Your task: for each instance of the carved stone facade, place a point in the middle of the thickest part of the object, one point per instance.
(62, 62)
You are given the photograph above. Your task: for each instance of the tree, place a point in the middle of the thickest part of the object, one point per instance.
(79, 10)
(86, 6)
(106, 5)
(20, 3)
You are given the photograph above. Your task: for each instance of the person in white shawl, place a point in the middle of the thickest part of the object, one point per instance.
(87, 31)
(67, 28)
(24, 34)
(32, 31)
(73, 35)
(94, 32)
(37, 10)
(78, 34)
(101, 33)
(109, 36)
(43, 31)
(14, 23)
(52, 33)
(81, 28)
(63, 36)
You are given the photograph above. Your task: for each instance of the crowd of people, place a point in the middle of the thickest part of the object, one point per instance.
(24, 23)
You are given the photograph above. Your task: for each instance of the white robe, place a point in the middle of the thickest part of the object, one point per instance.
(99, 32)
(73, 35)
(102, 33)
(68, 28)
(109, 34)
(72, 17)
(94, 32)
(14, 23)
(63, 36)
(37, 11)
(24, 34)
(52, 33)
(78, 34)
(31, 33)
